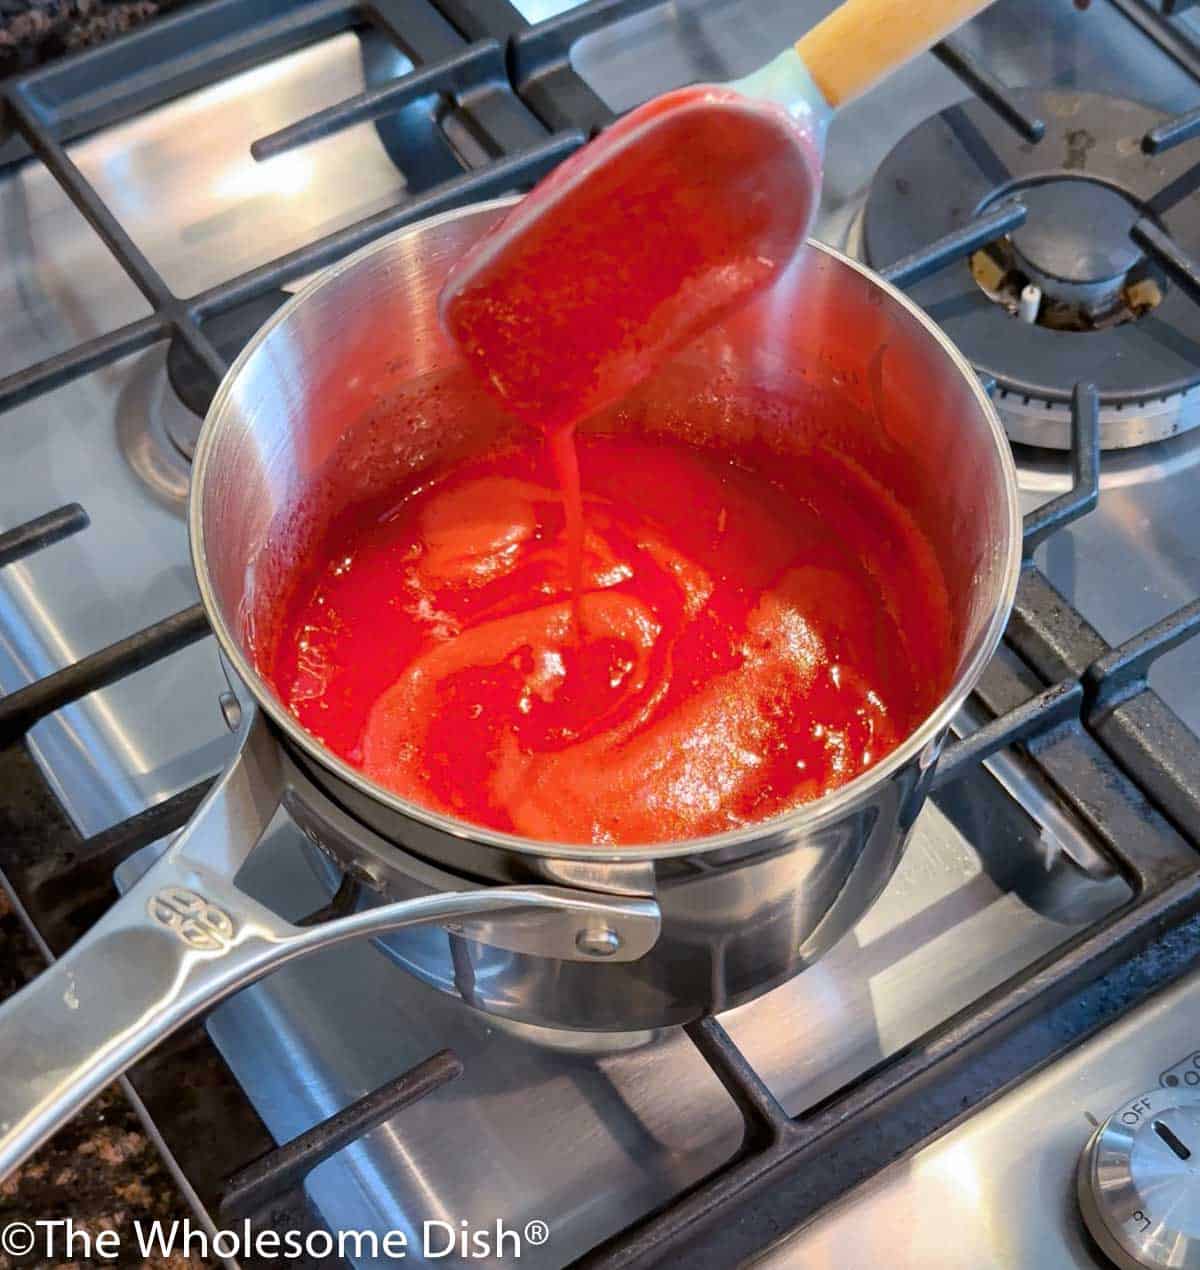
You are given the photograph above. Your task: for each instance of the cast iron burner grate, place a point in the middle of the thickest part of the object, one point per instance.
(230, 332)
(1109, 314)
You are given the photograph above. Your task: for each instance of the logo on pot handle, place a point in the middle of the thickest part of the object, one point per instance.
(200, 923)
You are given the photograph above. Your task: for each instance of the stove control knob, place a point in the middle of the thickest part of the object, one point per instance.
(1139, 1182)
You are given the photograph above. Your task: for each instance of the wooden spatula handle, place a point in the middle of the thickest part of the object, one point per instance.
(862, 40)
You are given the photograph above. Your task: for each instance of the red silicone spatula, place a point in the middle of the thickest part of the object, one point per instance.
(667, 220)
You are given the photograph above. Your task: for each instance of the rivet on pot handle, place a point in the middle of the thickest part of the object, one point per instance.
(185, 936)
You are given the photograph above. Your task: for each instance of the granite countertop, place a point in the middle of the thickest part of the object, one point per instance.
(101, 1170)
(37, 31)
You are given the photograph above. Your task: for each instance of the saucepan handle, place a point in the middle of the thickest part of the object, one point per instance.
(185, 936)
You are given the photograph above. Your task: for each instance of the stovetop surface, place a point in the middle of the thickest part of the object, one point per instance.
(999, 1190)
(998, 872)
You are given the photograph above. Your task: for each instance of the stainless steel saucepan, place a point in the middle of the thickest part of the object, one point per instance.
(352, 385)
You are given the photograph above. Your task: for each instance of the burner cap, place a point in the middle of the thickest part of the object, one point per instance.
(1077, 232)
(1084, 183)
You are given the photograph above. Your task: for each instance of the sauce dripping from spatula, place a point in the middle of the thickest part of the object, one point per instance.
(673, 217)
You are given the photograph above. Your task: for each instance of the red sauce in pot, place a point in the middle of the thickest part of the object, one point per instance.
(734, 646)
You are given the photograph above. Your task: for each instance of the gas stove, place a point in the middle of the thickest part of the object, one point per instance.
(1033, 184)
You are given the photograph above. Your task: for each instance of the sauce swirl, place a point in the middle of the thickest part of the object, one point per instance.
(731, 646)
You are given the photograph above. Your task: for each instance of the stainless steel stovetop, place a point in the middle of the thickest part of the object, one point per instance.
(998, 872)
(1000, 1189)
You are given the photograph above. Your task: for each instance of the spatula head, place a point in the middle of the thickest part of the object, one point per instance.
(664, 223)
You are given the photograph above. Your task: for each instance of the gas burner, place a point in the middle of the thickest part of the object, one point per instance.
(148, 420)
(1073, 265)
(1068, 297)
(168, 395)
(230, 332)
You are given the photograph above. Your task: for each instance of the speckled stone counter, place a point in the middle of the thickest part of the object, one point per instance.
(36, 31)
(101, 1170)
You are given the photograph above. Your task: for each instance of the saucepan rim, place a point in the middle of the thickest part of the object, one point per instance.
(797, 823)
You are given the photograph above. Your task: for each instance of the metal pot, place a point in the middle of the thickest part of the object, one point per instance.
(565, 936)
